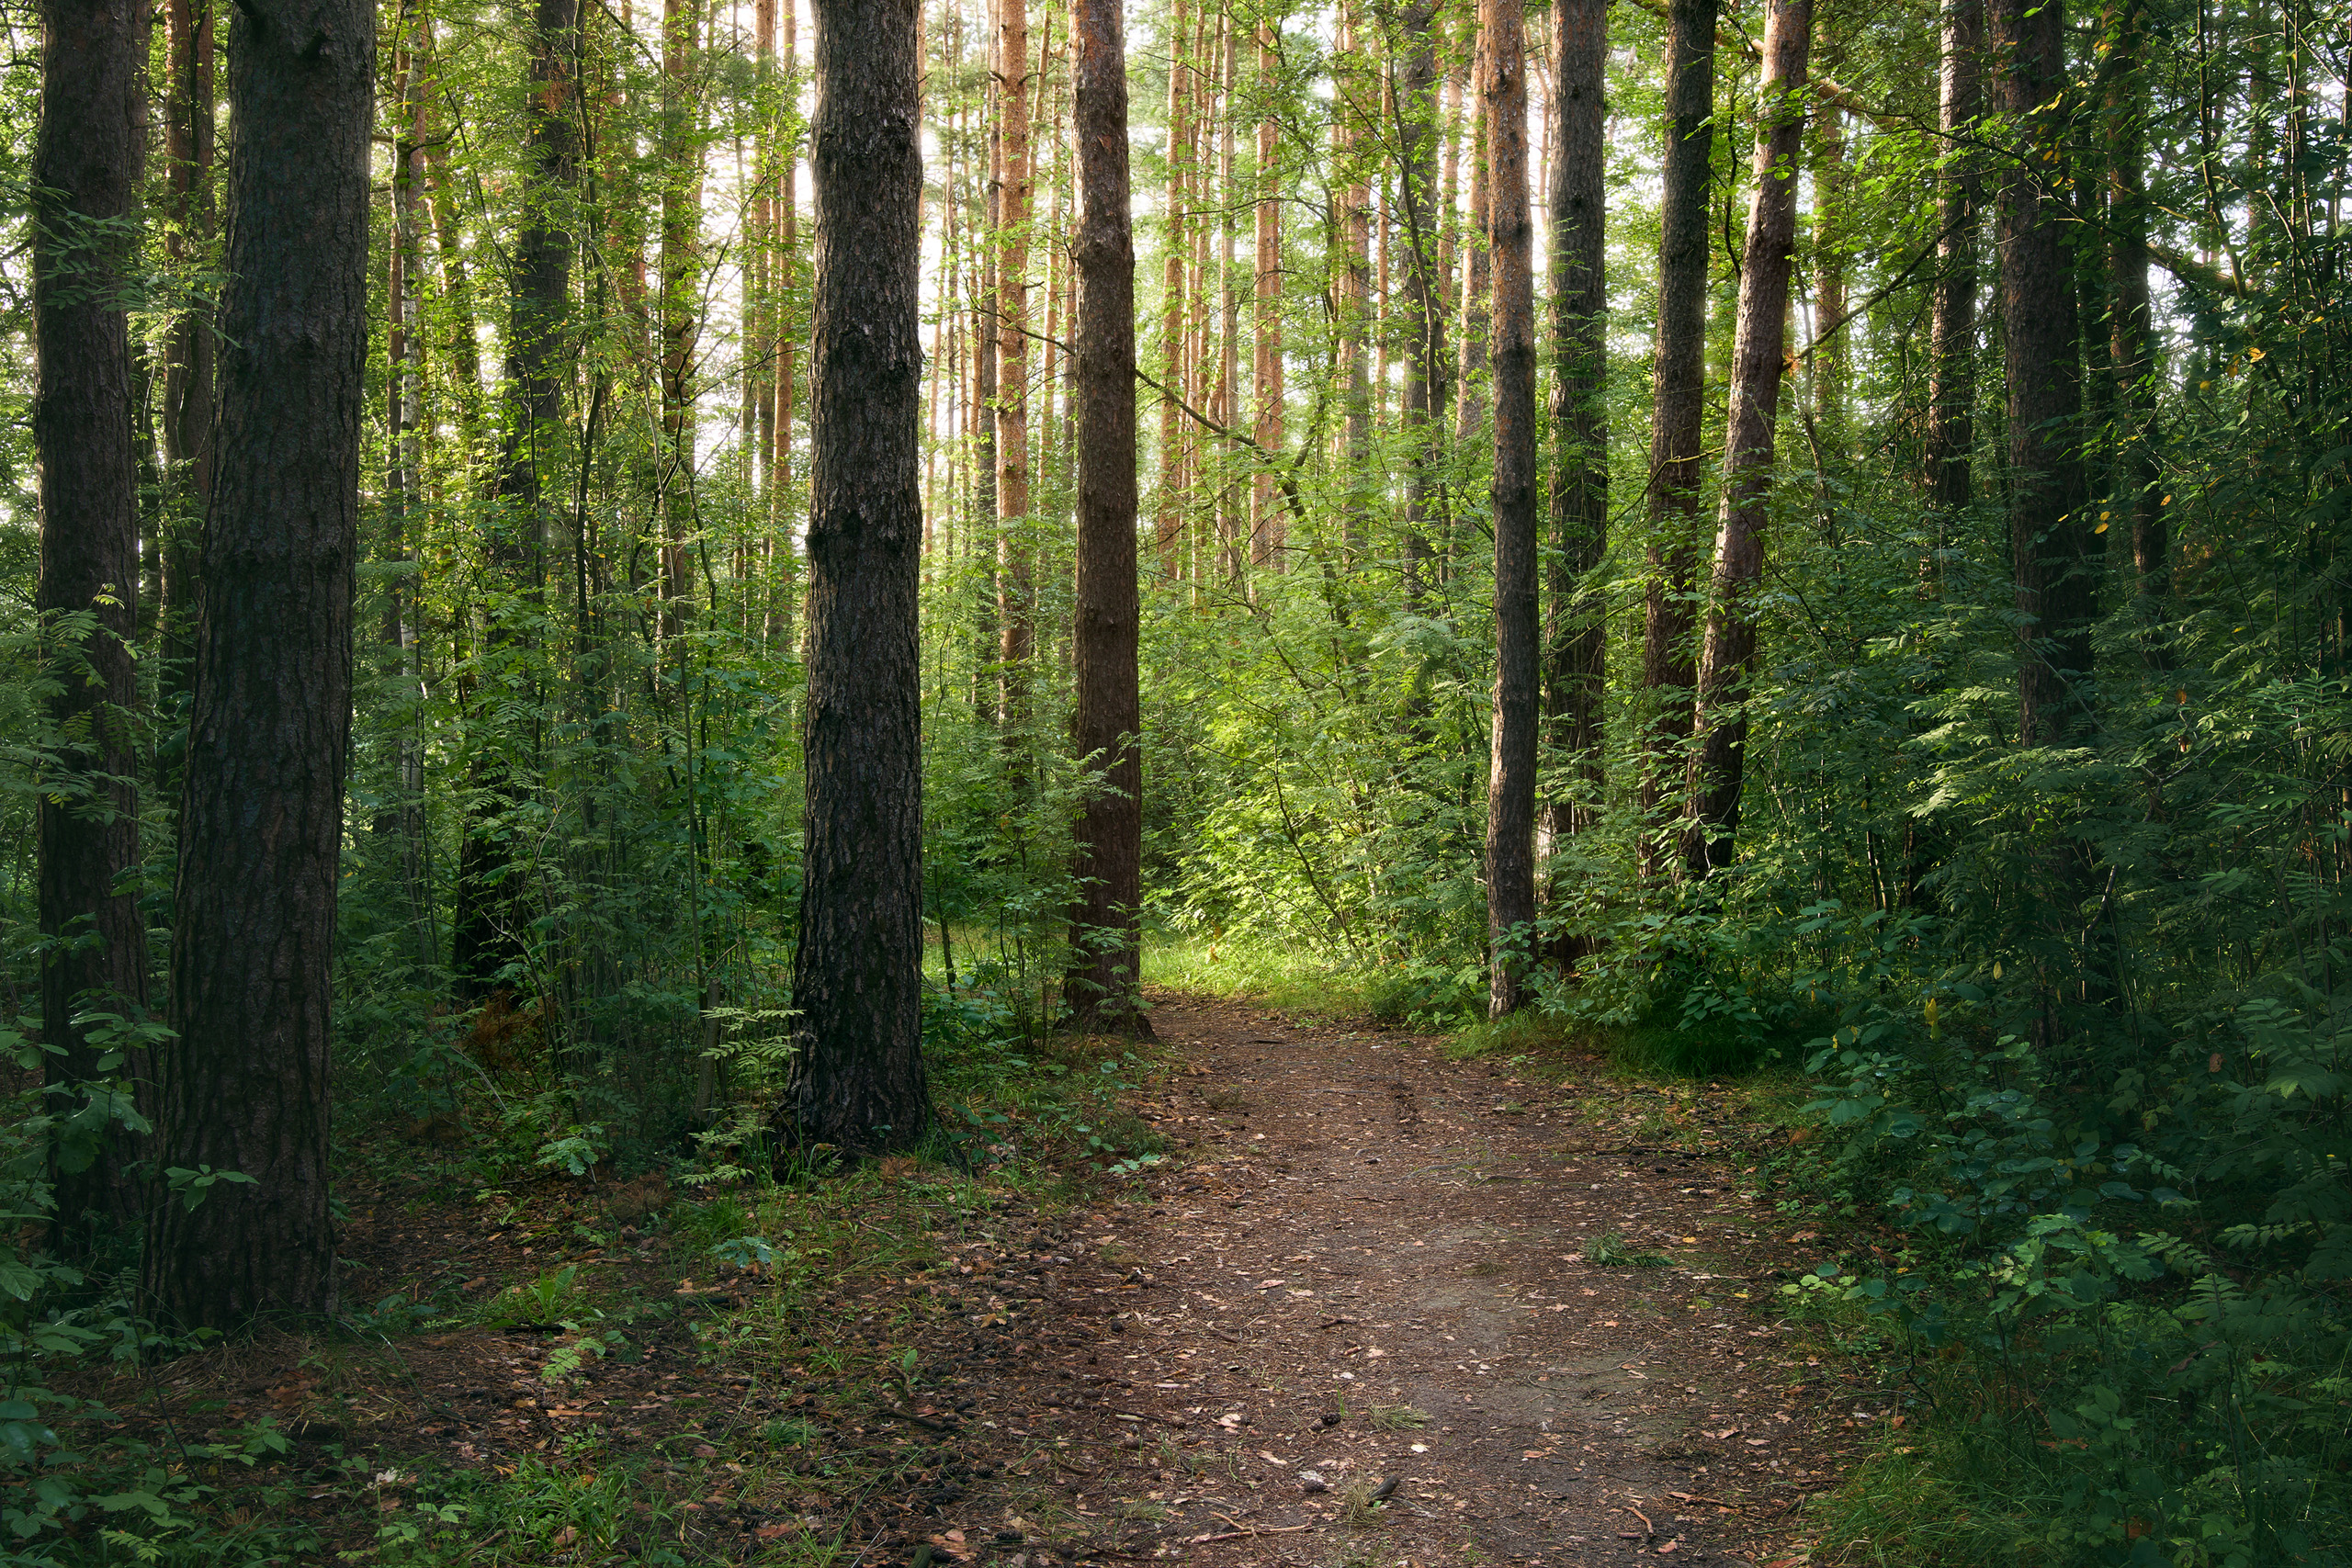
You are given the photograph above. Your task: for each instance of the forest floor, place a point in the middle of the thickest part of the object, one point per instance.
(1374, 1307)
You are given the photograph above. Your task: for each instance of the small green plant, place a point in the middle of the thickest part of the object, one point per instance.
(1397, 1418)
(543, 1303)
(1611, 1250)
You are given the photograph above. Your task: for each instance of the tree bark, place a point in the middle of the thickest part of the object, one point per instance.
(87, 157)
(1758, 358)
(188, 137)
(244, 1087)
(2134, 497)
(1678, 410)
(1016, 584)
(1424, 400)
(1268, 520)
(1832, 194)
(1511, 786)
(1951, 391)
(857, 1079)
(1576, 643)
(2054, 552)
(1169, 526)
(485, 928)
(1105, 936)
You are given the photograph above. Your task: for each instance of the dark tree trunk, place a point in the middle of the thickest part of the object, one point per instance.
(485, 935)
(187, 352)
(1105, 939)
(2135, 495)
(1510, 786)
(1759, 358)
(858, 1068)
(244, 1087)
(86, 173)
(1951, 391)
(1424, 411)
(1678, 409)
(1575, 631)
(2053, 551)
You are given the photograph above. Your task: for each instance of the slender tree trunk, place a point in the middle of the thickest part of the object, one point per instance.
(680, 317)
(2135, 495)
(402, 827)
(87, 157)
(1355, 288)
(1471, 347)
(1424, 397)
(1229, 513)
(1951, 391)
(1678, 410)
(1268, 522)
(485, 940)
(245, 1088)
(784, 274)
(1016, 587)
(1758, 358)
(857, 1078)
(1169, 525)
(1510, 787)
(1831, 197)
(1576, 638)
(188, 135)
(1105, 937)
(985, 658)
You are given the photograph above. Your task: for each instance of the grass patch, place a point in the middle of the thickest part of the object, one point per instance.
(1265, 974)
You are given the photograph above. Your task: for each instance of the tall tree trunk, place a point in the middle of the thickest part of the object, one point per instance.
(1471, 348)
(2053, 551)
(1105, 938)
(400, 828)
(1952, 390)
(1577, 641)
(188, 135)
(783, 273)
(1758, 356)
(1355, 288)
(485, 939)
(1510, 787)
(245, 1088)
(1169, 525)
(1267, 519)
(2135, 495)
(1230, 515)
(1832, 180)
(87, 157)
(1424, 401)
(984, 375)
(681, 153)
(1678, 410)
(1016, 585)
(857, 1079)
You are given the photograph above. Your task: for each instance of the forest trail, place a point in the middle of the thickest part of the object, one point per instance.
(1365, 1263)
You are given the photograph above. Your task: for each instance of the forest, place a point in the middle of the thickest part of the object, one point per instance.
(714, 718)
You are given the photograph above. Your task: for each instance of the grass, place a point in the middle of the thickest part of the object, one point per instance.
(1268, 974)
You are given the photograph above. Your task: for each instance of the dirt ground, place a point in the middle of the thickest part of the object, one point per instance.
(1362, 1316)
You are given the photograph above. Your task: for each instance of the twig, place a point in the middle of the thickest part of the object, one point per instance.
(1629, 1508)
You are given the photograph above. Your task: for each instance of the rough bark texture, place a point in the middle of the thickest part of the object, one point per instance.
(1511, 781)
(244, 1087)
(486, 924)
(857, 1079)
(2052, 551)
(87, 159)
(1951, 389)
(1105, 939)
(1679, 406)
(1758, 358)
(1576, 630)
(1424, 403)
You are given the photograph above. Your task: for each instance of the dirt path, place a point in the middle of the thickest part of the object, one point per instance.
(1366, 1265)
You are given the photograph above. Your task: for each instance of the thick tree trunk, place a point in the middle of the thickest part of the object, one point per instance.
(2054, 552)
(485, 938)
(1016, 571)
(88, 155)
(244, 1089)
(1105, 936)
(1510, 786)
(1678, 410)
(1575, 633)
(1951, 388)
(857, 1079)
(1424, 402)
(1758, 358)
